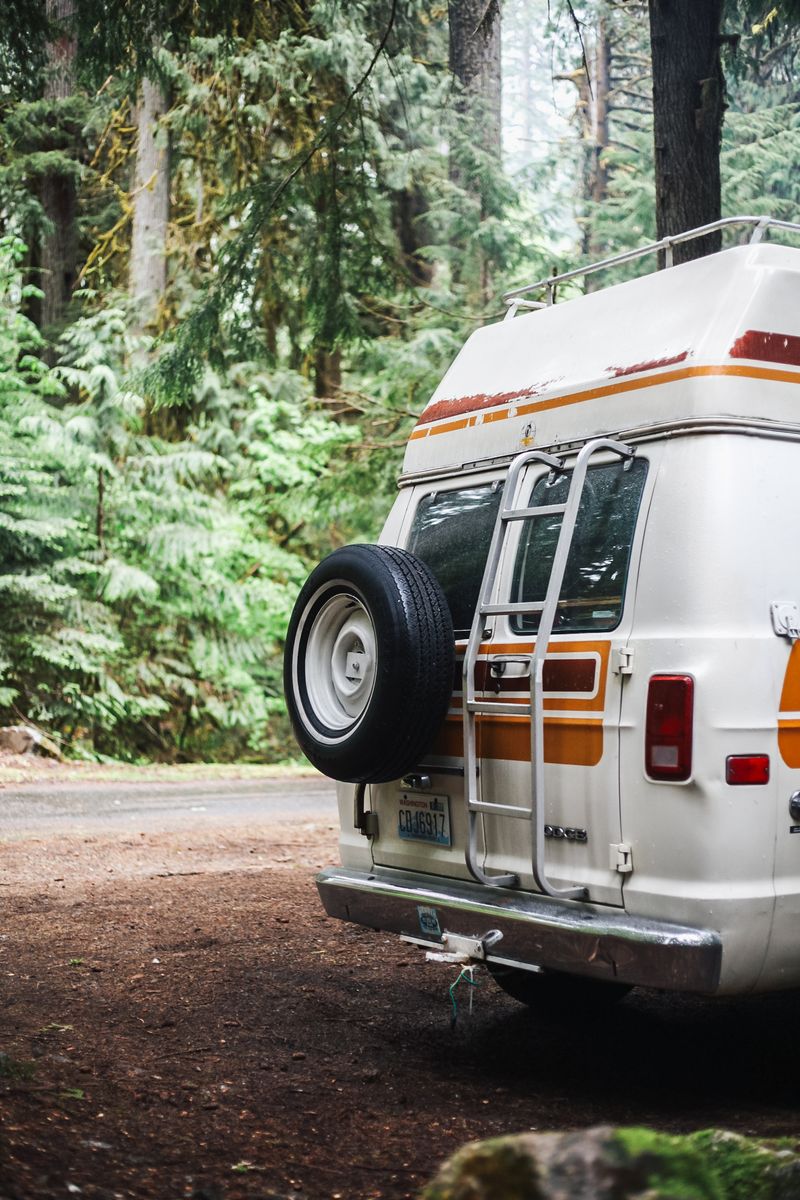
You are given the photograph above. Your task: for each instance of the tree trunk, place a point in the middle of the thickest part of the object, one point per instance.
(688, 109)
(100, 512)
(58, 195)
(475, 62)
(599, 110)
(148, 264)
(474, 31)
(327, 372)
(410, 208)
(529, 129)
(593, 109)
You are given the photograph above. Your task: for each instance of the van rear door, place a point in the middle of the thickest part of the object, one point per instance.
(583, 680)
(449, 526)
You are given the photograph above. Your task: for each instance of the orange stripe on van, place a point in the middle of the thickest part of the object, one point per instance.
(571, 741)
(425, 429)
(789, 742)
(789, 728)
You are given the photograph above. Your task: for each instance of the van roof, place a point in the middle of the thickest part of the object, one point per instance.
(682, 344)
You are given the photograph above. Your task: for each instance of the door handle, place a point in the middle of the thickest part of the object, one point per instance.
(510, 667)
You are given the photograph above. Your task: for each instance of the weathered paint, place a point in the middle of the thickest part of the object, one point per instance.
(761, 346)
(684, 343)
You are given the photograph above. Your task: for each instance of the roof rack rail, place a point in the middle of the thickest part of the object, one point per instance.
(516, 299)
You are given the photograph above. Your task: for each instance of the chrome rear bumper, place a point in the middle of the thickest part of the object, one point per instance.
(578, 938)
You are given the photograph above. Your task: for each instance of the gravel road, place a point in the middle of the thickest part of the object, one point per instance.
(50, 809)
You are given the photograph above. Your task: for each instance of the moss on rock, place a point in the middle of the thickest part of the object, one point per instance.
(482, 1170)
(621, 1164)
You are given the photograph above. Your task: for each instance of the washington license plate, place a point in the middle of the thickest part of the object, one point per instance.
(424, 818)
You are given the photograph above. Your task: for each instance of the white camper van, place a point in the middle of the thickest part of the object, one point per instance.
(563, 693)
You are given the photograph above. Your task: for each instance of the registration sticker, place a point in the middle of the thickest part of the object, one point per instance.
(422, 817)
(428, 920)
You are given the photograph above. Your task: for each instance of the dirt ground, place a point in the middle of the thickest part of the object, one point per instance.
(178, 1018)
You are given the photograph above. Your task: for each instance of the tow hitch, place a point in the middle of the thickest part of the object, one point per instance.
(457, 947)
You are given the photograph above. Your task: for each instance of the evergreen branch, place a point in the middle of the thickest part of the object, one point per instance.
(328, 133)
(579, 32)
(181, 366)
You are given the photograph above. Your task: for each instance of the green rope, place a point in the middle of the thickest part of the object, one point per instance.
(466, 975)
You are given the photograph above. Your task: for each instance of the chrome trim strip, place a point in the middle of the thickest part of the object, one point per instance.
(581, 939)
(682, 427)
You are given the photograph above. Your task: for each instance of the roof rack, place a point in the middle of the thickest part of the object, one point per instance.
(516, 299)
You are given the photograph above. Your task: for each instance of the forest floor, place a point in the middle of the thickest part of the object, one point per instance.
(178, 1018)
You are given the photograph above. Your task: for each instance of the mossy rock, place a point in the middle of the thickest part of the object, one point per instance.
(621, 1164)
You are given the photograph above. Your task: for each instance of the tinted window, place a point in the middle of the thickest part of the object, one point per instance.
(597, 567)
(451, 533)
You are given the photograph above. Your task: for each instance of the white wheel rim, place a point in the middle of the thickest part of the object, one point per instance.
(340, 662)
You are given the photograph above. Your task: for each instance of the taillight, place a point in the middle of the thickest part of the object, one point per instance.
(668, 730)
(747, 768)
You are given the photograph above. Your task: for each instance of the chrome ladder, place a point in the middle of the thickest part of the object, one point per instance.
(508, 513)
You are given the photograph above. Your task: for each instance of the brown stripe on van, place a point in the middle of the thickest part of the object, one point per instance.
(767, 347)
(569, 674)
(559, 675)
(650, 364)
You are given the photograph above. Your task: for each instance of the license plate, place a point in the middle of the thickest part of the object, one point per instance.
(424, 818)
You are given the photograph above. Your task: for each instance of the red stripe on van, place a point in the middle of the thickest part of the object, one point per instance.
(457, 405)
(651, 365)
(767, 347)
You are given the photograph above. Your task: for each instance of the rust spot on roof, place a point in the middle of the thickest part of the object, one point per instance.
(650, 365)
(767, 347)
(478, 401)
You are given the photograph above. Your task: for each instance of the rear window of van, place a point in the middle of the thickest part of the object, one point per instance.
(597, 567)
(451, 533)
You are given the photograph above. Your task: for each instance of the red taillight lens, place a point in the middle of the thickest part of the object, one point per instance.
(668, 732)
(747, 768)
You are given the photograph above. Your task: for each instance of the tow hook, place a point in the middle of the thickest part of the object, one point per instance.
(456, 948)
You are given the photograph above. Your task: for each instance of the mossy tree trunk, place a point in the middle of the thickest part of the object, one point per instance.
(148, 260)
(58, 252)
(474, 53)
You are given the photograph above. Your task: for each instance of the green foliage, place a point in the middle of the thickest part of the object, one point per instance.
(42, 139)
(338, 225)
(708, 1165)
(145, 580)
(45, 646)
(761, 161)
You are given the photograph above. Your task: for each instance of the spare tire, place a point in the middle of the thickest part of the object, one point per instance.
(369, 662)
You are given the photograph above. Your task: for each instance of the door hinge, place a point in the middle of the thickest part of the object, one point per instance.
(623, 660)
(621, 857)
(365, 821)
(369, 827)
